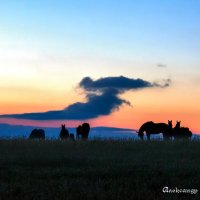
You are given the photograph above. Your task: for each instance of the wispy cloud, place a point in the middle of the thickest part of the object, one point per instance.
(161, 65)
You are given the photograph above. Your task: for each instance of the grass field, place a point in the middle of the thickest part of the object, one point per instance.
(98, 170)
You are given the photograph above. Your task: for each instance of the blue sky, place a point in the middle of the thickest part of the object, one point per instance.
(136, 35)
(104, 28)
(47, 47)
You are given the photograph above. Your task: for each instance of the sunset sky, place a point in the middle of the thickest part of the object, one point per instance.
(141, 55)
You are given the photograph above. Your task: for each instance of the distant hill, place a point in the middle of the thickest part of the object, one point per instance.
(13, 131)
(101, 132)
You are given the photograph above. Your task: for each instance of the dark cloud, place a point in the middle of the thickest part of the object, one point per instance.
(102, 99)
(120, 83)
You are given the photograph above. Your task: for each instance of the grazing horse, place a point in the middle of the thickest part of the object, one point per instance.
(64, 133)
(154, 128)
(181, 132)
(37, 134)
(83, 131)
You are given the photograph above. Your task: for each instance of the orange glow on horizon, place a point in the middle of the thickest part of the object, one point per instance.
(157, 104)
(127, 120)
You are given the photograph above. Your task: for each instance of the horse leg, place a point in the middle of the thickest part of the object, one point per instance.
(77, 136)
(166, 136)
(148, 136)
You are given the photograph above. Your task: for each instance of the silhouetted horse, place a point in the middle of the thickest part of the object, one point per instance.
(83, 131)
(176, 129)
(78, 132)
(154, 128)
(181, 132)
(64, 133)
(37, 134)
(170, 125)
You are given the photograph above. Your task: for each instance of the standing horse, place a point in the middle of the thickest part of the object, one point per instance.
(83, 131)
(181, 132)
(78, 132)
(154, 128)
(64, 133)
(37, 134)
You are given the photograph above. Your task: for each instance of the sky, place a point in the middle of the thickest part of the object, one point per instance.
(112, 63)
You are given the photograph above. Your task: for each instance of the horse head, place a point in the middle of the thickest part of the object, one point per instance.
(178, 124)
(170, 123)
(64, 133)
(63, 126)
(140, 134)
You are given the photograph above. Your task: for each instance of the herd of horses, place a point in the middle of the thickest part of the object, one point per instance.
(82, 131)
(167, 130)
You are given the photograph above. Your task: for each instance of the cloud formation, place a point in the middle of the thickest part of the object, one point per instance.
(120, 83)
(161, 65)
(102, 99)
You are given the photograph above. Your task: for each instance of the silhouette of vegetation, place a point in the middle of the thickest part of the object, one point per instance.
(64, 133)
(37, 134)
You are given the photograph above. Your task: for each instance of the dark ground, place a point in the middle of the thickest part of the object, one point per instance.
(98, 170)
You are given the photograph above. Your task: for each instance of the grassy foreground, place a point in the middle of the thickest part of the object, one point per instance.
(97, 170)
